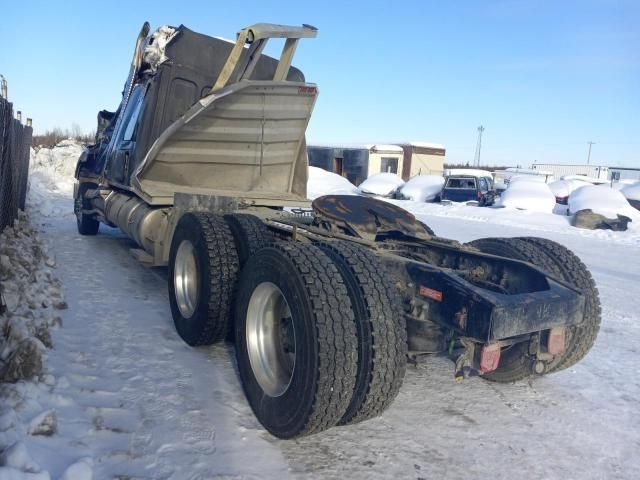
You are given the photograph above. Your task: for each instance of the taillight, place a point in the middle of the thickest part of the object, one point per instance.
(489, 357)
(479, 195)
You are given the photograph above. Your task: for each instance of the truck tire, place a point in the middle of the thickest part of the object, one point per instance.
(558, 261)
(381, 330)
(203, 271)
(564, 263)
(86, 225)
(249, 233)
(296, 343)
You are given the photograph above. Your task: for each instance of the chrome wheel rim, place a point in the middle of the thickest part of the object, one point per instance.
(185, 278)
(271, 341)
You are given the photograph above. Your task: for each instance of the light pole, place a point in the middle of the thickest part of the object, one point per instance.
(476, 160)
(589, 154)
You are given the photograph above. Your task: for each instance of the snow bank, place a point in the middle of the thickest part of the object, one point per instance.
(321, 182)
(604, 201)
(33, 297)
(18, 464)
(60, 160)
(530, 195)
(51, 170)
(381, 184)
(422, 188)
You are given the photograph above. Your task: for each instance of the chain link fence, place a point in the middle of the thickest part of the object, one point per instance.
(15, 140)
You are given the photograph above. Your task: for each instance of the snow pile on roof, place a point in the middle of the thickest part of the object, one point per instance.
(385, 148)
(321, 182)
(154, 51)
(605, 201)
(438, 146)
(528, 195)
(381, 184)
(422, 188)
(632, 192)
(471, 172)
(563, 188)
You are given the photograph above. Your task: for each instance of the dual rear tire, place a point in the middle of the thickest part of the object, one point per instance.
(87, 224)
(319, 340)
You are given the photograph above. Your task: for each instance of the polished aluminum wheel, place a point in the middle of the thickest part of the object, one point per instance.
(185, 279)
(271, 341)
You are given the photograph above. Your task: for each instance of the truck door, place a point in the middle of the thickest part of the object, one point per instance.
(122, 156)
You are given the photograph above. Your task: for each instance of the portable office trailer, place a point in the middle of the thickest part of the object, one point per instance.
(349, 162)
(559, 170)
(385, 158)
(356, 163)
(504, 176)
(422, 159)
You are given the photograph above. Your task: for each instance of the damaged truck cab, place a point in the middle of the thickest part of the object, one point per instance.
(204, 166)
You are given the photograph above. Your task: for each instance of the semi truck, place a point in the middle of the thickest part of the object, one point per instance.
(204, 166)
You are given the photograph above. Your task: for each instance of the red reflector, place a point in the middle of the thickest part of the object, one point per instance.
(306, 90)
(430, 293)
(489, 358)
(555, 344)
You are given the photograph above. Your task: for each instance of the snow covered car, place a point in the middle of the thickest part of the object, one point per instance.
(530, 194)
(601, 207)
(632, 194)
(561, 189)
(321, 182)
(421, 188)
(468, 188)
(199, 165)
(381, 185)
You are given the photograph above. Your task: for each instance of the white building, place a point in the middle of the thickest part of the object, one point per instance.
(559, 170)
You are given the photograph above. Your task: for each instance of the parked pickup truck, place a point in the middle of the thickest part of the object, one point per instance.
(468, 188)
(200, 165)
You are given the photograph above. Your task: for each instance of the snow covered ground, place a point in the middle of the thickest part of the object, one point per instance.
(133, 401)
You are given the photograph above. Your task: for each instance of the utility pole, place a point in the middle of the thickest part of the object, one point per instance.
(589, 154)
(476, 160)
(3, 87)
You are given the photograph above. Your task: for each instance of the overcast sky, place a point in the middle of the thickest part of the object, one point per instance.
(542, 77)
